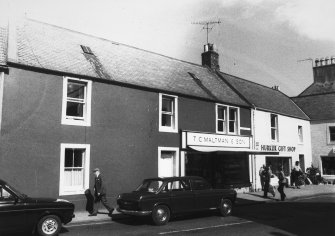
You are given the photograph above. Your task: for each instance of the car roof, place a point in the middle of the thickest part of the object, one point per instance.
(175, 178)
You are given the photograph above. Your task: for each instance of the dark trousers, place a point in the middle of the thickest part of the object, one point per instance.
(262, 182)
(103, 200)
(266, 188)
(281, 191)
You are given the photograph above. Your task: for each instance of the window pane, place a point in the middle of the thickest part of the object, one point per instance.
(220, 125)
(166, 120)
(221, 113)
(75, 109)
(167, 154)
(273, 134)
(77, 177)
(68, 158)
(232, 126)
(167, 104)
(332, 133)
(232, 114)
(78, 158)
(76, 90)
(273, 121)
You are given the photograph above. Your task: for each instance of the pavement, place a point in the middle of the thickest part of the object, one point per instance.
(248, 198)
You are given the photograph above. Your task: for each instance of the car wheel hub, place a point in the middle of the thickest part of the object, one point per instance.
(161, 214)
(226, 207)
(49, 226)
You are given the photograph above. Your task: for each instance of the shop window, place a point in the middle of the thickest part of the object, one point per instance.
(276, 162)
(274, 127)
(74, 172)
(168, 113)
(300, 134)
(168, 162)
(76, 108)
(226, 119)
(332, 133)
(328, 165)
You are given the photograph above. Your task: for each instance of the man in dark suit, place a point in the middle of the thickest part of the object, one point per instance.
(100, 194)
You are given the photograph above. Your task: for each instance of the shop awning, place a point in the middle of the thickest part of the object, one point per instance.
(225, 149)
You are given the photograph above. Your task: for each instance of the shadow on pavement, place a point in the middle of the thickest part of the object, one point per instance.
(299, 218)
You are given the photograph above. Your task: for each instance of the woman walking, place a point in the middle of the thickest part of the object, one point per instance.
(282, 183)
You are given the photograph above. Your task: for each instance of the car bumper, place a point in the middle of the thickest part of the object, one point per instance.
(134, 213)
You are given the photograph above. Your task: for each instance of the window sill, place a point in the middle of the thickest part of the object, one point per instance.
(167, 130)
(75, 122)
(71, 192)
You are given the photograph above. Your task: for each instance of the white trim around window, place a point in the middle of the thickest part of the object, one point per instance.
(170, 114)
(226, 119)
(166, 163)
(84, 103)
(78, 181)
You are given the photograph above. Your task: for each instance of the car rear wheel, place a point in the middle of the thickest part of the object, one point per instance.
(49, 225)
(226, 207)
(161, 215)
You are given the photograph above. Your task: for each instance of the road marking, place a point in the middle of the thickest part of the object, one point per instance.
(209, 227)
(86, 224)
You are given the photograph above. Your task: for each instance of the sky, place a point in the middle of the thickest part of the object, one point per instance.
(264, 41)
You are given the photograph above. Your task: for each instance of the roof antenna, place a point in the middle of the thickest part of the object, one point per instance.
(307, 59)
(207, 25)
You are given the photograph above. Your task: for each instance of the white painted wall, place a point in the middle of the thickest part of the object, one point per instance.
(288, 136)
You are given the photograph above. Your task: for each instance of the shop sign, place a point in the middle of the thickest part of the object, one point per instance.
(277, 148)
(217, 140)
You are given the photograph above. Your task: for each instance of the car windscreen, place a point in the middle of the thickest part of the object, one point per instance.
(151, 186)
(18, 193)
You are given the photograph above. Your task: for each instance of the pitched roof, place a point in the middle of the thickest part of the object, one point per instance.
(318, 88)
(53, 48)
(317, 107)
(264, 97)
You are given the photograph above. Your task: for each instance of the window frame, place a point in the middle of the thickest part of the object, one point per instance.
(174, 127)
(70, 120)
(227, 120)
(329, 134)
(300, 134)
(276, 128)
(177, 161)
(63, 191)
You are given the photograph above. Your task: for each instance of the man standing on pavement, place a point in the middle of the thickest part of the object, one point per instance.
(100, 194)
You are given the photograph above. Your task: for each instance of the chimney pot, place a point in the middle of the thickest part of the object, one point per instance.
(317, 62)
(322, 61)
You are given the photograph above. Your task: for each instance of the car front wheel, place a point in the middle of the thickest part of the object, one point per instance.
(226, 207)
(49, 225)
(161, 215)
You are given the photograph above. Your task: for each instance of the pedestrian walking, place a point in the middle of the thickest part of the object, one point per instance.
(262, 176)
(282, 183)
(267, 177)
(297, 172)
(100, 194)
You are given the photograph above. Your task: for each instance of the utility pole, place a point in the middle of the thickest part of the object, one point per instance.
(207, 25)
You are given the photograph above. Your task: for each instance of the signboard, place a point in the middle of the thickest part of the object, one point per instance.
(275, 148)
(217, 140)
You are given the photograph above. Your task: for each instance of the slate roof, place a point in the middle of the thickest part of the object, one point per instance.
(265, 98)
(54, 48)
(317, 107)
(318, 88)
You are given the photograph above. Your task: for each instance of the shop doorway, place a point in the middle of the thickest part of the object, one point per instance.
(221, 169)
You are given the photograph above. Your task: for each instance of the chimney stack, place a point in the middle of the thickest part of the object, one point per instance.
(210, 57)
(324, 70)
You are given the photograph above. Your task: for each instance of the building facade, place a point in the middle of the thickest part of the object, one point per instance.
(318, 102)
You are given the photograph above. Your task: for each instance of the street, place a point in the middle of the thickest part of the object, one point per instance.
(305, 216)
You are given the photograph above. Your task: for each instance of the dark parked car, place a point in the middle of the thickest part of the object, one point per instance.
(161, 197)
(20, 213)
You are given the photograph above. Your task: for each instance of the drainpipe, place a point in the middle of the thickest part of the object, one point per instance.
(253, 157)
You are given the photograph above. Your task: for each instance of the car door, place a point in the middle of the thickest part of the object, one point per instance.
(12, 216)
(205, 197)
(181, 196)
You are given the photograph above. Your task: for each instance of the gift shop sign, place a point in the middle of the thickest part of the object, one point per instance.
(217, 140)
(276, 148)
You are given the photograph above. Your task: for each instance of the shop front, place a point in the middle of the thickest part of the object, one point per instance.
(221, 159)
